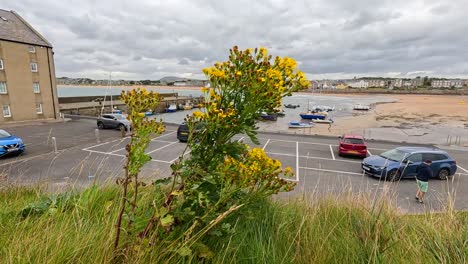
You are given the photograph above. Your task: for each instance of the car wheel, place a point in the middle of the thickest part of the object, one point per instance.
(443, 174)
(122, 127)
(394, 175)
(100, 125)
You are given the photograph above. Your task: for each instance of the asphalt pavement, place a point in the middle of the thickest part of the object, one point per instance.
(83, 155)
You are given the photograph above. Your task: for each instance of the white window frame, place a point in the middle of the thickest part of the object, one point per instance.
(9, 111)
(6, 90)
(40, 107)
(1, 65)
(35, 66)
(32, 49)
(38, 90)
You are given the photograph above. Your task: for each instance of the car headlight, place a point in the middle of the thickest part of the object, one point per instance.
(379, 167)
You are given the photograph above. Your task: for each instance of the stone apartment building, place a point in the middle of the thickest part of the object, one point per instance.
(27, 72)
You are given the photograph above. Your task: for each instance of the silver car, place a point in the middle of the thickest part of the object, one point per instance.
(113, 121)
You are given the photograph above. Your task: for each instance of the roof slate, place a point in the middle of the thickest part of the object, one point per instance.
(17, 29)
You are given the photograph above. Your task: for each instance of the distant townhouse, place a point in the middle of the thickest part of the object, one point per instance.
(341, 86)
(359, 84)
(313, 85)
(28, 88)
(456, 83)
(417, 82)
(377, 83)
(398, 83)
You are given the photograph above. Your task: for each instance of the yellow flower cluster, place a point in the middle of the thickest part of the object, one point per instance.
(256, 170)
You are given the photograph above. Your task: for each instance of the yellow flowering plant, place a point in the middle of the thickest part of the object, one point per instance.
(220, 175)
(143, 129)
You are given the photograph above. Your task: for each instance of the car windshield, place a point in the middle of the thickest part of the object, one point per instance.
(356, 141)
(3, 133)
(119, 117)
(394, 154)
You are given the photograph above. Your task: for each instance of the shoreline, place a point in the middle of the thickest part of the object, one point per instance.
(196, 88)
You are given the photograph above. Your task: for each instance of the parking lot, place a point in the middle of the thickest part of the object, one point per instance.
(83, 157)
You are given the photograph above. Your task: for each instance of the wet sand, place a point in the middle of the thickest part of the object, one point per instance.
(412, 118)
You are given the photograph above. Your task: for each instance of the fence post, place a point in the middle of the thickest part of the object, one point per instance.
(54, 143)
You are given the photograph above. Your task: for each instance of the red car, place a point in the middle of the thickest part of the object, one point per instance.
(352, 145)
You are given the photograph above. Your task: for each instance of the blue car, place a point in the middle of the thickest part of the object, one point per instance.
(10, 144)
(402, 163)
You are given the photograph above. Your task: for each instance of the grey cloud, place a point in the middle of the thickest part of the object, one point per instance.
(150, 39)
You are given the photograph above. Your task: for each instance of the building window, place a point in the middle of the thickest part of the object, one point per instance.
(6, 111)
(1, 64)
(34, 67)
(36, 88)
(32, 49)
(3, 89)
(38, 108)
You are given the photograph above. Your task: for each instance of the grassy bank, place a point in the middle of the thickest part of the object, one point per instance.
(39, 228)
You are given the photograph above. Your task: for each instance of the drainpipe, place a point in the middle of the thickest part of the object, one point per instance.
(51, 84)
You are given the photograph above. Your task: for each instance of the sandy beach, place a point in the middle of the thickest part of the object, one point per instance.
(431, 118)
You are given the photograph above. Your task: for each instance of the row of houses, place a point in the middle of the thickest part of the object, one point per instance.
(388, 83)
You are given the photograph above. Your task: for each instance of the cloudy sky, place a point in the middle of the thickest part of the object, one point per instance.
(150, 39)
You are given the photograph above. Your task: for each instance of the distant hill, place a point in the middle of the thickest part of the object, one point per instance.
(172, 79)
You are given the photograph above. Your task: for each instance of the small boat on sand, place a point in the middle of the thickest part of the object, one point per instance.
(322, 121)
(313, 115)
(361, 107)
(322, 108)
(269, 116)
(291, 106)
(296, 124)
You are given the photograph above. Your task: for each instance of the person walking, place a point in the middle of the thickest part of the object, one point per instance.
(424, 172)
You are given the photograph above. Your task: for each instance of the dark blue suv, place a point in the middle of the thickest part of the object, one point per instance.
(402, 163)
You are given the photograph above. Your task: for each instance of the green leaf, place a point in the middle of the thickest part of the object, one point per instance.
(184, 251)
(168, 220)
(162, 181)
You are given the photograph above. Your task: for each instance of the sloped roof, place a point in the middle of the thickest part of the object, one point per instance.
(15, 28)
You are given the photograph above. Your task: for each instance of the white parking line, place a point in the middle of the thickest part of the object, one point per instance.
(95, 146)
(331, 151)
(106, 153)
(297, 161)
(268, 141)
(154, 150)
(240, 139)
(312, 143)
(310, 157)
(123, 156)
(370, 154)
(335, 171)
(164, 141)
(164, 135)
(186, 153)
(462, 168)
(117, 150)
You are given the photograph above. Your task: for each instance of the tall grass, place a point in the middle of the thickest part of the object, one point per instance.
(347, 229)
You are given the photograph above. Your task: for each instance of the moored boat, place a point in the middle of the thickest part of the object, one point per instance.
(291, 106)
(361, 107)
(313, 115)
(322, 108)
(296, 124)
(269, 116)
(323, 121)
(172, 108)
